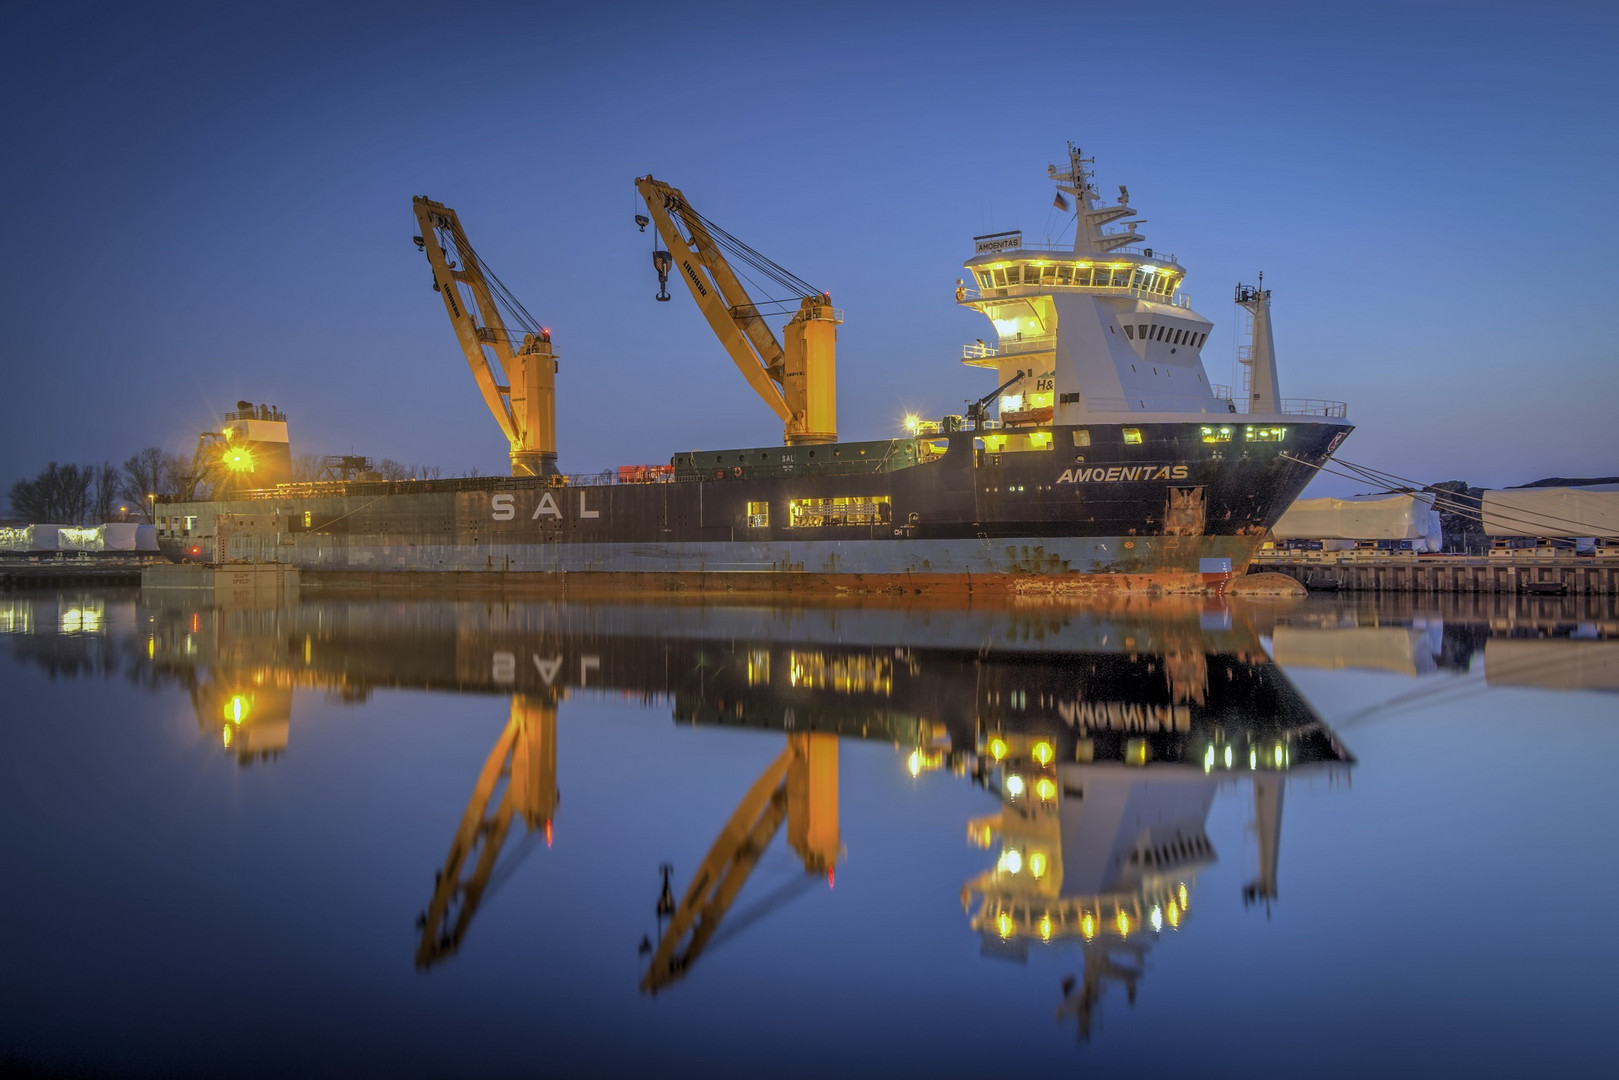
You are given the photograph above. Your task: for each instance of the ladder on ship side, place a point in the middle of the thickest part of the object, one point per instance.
(1244, 375)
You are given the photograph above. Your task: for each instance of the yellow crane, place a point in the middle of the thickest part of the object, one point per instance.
(518, 385)
(799, 380)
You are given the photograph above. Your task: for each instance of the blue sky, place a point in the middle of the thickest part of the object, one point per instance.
(213, 202)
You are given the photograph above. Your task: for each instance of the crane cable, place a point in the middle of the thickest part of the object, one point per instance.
(778, 274)
(508, 303)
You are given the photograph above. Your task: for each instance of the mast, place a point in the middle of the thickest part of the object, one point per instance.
(1264, 393)
(1091, 235)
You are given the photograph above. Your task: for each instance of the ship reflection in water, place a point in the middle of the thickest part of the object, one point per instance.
(1104, 801)
(1105, 735)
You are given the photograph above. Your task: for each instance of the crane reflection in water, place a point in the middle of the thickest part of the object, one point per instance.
(1104, 736)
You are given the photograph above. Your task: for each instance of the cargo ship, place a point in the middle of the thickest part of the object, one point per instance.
(1104, 456)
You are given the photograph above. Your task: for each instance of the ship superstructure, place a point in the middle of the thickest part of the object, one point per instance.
(1100, 331)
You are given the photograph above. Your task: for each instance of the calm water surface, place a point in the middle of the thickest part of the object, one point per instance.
(444, 839)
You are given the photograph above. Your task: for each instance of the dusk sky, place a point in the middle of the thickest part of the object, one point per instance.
(213, 202)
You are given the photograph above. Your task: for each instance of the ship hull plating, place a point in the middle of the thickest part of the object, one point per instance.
(1110, 506)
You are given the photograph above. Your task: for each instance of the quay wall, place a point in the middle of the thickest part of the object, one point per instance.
(1562, 575)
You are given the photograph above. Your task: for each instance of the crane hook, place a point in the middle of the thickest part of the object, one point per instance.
(643, 221)
(661, 262)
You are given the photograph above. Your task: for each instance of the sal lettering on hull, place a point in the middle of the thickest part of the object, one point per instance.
(504, 670)
(504, 507)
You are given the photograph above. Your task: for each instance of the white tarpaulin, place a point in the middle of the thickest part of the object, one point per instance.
(113, 536)
(128, 536)
(1364, 517)
(1553, 511)
(80, 538)
(29, 538)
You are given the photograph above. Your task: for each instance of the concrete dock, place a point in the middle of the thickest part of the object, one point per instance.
(1563, 575)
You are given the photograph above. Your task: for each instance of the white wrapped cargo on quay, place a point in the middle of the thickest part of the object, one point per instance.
(80, 538)
(113, 536)
(1400, 516)
(26, 538)
(1553, 511)
(128, 536)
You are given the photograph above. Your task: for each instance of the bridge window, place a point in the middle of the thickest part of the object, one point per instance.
(1048, 275)
(758, 515)
(853, 510)
(1065, 275)
(985, 279)
(1132, 436)
(1129, 331)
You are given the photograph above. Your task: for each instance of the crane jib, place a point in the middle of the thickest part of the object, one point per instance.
(696, 280)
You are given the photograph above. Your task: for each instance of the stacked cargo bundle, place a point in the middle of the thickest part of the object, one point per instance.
(1583, 518)
(1401, 521)
(24, 539)
(119, 536)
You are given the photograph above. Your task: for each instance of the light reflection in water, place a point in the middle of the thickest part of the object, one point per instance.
(1104, 737)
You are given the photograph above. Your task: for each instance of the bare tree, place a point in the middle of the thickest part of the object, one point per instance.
(60, 495)
(395, 470)
(306, 467)
(150, 474)
(105, 492)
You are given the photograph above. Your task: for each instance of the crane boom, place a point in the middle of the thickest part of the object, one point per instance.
(525, 758)
(797, 381)
(524, 405)
(799, 788)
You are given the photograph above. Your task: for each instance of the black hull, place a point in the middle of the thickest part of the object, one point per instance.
(1163, 504)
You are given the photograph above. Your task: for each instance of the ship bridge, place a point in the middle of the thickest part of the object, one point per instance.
(1100, 330)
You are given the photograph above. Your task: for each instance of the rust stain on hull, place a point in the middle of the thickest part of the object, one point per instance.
(1050, 586)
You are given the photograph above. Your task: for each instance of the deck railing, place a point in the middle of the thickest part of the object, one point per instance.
(1085, 256)
(1017, 347)
(972, 292)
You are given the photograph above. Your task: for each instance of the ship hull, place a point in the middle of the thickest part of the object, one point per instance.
(1161, 510)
